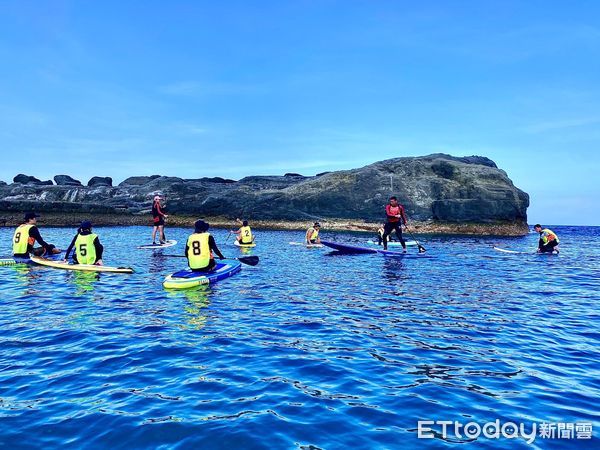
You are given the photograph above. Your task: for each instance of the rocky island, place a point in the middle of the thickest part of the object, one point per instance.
(441, 193)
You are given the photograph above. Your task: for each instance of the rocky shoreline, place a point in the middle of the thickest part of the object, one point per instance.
(441, 194)
(72, 220)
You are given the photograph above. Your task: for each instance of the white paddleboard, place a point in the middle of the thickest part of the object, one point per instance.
(503, 250)
(304, 244)
(154, 246)
(81, 267)
(237, 244)
(394, 243)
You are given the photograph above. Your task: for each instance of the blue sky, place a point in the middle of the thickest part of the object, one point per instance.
(203, 88)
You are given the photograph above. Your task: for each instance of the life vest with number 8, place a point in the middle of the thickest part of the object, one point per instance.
(199, 253)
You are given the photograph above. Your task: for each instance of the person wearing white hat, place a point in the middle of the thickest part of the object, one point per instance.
(158, 219)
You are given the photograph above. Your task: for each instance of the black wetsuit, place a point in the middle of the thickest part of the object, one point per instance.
(547, 248)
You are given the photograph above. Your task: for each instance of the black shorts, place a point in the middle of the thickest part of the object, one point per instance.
(549, 247)
(159, 221)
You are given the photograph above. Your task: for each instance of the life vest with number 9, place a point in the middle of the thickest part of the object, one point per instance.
(199, 253)
(21, 239)
(85, 251)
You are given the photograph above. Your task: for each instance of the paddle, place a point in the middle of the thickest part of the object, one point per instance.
(421, 248)
(249, 260)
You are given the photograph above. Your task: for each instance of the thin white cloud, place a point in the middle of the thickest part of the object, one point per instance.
(201, 89)
(554, 125)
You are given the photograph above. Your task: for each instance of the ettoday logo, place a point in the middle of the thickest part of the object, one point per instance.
(449, 429)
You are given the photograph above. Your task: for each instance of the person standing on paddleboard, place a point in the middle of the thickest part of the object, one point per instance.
(548, 240)
(88, 249)
(395, 217)
(244, 233)
(312, 234)
(158, 217)
(26, 235)
(200, 247)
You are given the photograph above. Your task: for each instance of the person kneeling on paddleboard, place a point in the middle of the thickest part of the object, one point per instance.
(88, 249)
(244, 233)
(548, 240)
(200, 247)
(26, 235)
(395, 217)
(312, 234)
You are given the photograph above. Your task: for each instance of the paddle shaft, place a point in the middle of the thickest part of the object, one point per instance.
(421, 248)
(249, 260)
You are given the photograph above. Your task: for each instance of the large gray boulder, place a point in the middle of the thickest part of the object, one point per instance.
(100, 181)
(28, 179)
(138, 181)
(66, 180)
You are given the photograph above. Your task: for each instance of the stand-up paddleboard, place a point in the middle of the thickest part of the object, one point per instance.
(185, 279)
(170, 243)
(513, 252)
(346, 248)
(353, 249)
(304, 244)
(81, 267)
(237, 244)
(393, 243)
(12, 261)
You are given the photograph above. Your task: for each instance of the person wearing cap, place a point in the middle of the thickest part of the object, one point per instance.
(312, 234)
(88, 249)
(26, 235)
(244, 233)
(158, 219)
(200, 249)
(548, 240)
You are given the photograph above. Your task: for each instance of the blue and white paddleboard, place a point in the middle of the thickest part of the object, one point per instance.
(185, 279)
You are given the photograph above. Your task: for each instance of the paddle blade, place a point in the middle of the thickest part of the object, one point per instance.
(421, 249)
(250, 260)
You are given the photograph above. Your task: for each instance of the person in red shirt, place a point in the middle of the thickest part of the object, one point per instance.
(395, 217)
(158, 219)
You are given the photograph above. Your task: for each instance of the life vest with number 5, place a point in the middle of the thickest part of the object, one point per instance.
(21, 239)
(85, 250)
(245, 235)
(199, 253)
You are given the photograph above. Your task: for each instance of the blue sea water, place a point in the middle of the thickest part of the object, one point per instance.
(309, 349)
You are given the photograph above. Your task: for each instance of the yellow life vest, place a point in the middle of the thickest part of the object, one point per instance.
(199, 253)
(548, 235)
(85, 251)
(314, 235)
(21, 239)
(245, 235)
